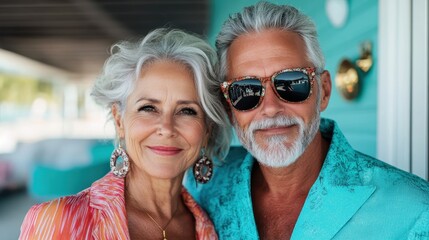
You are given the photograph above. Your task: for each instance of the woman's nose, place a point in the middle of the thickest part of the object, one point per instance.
(166, 126)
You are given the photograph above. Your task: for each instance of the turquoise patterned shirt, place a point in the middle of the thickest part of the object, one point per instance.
(354, 197)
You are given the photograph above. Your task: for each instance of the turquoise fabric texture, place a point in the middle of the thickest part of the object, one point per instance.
(354, 197)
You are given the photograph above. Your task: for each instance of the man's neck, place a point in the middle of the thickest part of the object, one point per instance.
(278, 194)
(296, 179)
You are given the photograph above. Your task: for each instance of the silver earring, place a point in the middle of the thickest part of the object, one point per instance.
(119, 152)
(203, 169)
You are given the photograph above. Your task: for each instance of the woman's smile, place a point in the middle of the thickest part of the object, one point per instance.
(165, 150)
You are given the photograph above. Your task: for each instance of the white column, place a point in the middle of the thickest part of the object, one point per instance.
(394, 83)
(420, 86)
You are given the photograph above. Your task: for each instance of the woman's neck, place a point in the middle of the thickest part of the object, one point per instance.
(158, 197)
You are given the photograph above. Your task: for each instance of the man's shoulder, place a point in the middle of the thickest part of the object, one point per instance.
(347, 166)
(391, 180)
(399, 203)
(234, 160)
(231, 171)
(227, 196)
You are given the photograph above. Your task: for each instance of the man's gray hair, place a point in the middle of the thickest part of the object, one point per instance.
(123, 68)
(263, 16)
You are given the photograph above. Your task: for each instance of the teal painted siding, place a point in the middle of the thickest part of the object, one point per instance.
(357, 118)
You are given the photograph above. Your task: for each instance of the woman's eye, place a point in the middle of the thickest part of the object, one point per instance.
(147, 108)
(188, 111)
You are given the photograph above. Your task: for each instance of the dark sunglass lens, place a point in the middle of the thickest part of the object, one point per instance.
(293, 86)
(245, 94)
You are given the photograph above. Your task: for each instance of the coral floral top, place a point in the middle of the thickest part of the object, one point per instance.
(96, 213)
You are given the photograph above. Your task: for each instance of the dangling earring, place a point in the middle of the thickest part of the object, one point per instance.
(203, 169)
(119, 152)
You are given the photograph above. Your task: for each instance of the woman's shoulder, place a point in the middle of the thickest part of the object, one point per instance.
(59, 205)
(55, 217)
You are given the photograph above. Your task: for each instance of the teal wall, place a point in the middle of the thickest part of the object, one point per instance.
(357, 118)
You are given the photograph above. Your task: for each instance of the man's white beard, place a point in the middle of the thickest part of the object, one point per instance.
(276, 153)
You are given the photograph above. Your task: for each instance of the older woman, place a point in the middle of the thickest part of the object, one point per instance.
(163, 99)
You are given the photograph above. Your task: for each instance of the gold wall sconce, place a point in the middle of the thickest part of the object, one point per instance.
(348, 78)
(365, 60)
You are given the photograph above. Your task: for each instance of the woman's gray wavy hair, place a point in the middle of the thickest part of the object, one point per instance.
(123, 67)
(263, 16)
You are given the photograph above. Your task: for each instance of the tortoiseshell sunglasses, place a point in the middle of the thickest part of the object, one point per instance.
(290, 85)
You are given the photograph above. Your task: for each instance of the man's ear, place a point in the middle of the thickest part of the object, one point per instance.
(117, 119)
(325, 94)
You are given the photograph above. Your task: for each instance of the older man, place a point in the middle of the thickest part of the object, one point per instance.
(300, 178)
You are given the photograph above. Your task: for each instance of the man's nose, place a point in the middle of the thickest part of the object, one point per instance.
(271, 105)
